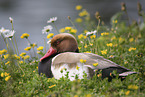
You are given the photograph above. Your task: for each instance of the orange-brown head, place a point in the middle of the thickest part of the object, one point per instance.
(64, 42)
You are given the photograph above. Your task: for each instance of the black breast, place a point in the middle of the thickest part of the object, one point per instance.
(44, 67)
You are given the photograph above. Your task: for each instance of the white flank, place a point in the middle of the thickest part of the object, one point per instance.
(63, 69)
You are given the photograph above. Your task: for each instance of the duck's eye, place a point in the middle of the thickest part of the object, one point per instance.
(58, 41)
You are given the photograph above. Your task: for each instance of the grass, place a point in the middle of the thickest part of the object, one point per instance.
(122, 43)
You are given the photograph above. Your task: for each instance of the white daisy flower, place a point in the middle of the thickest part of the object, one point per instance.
(2, 30)
(9, 34)
(51, 20)
(47, 29)
(11, 19)
(48, 42)
(91, 33)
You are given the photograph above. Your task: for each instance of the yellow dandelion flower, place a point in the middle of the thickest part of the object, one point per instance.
(83, 13)
(62, 30)
(131, 48)
(22, 54)
(107, 33)
(93, 36)
(52, 86)
(6, 74)
(37, 67)
(85, 37)
(73, 31)
(77, 67)
(26, 57)
(131, 39)
(25, 35)
(2, 74)
(78, 7)
(87, 52)
(80, 36)
(40, 48)
(34, 45)
(104, 52)
(88, 95)
(82, 61)
(85, 31)
(4, 51)
(50, 35)
(134, 87)
(91, 44)
(121, 39)
(7, 78)
(16, 57)
(27, 48)
(125, 62)
(109, 44)
(34, 71)
(78, 20)
(113, 38)
(21, 62)
(104, 33)
(7, 63)
(76, 96)
(48, 80)
(115, 21)
(6, 56)
(68, 28)
(85, 46)
(95, 64)
(1, 52)
(127, 93)
(79, 48)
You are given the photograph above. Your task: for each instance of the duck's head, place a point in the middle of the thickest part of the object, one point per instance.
(60, 43)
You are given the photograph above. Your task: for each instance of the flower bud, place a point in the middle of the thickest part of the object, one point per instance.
(97, 15)
(139, 7)
(123, 6)
(69, 17)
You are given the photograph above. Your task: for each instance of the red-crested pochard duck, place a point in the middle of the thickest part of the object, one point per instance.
(63, 57)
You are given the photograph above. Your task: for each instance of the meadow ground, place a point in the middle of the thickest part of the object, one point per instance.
(123, 42)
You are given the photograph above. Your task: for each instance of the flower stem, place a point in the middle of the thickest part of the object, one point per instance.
(5, 41)
(55, 27)
(20, 68)
(16, 45)
(13, 45)
(33, 48)
(8, 45)
(44, 45)
(15, 39)
(72, 22)
(28, 41)
(34, 53)
(98, 27)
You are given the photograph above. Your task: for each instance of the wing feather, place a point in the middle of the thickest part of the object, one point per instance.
(73, 58)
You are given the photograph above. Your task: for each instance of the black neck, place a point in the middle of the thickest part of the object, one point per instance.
(77, 50)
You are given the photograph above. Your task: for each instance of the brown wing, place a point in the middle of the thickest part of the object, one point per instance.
(74, 58)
